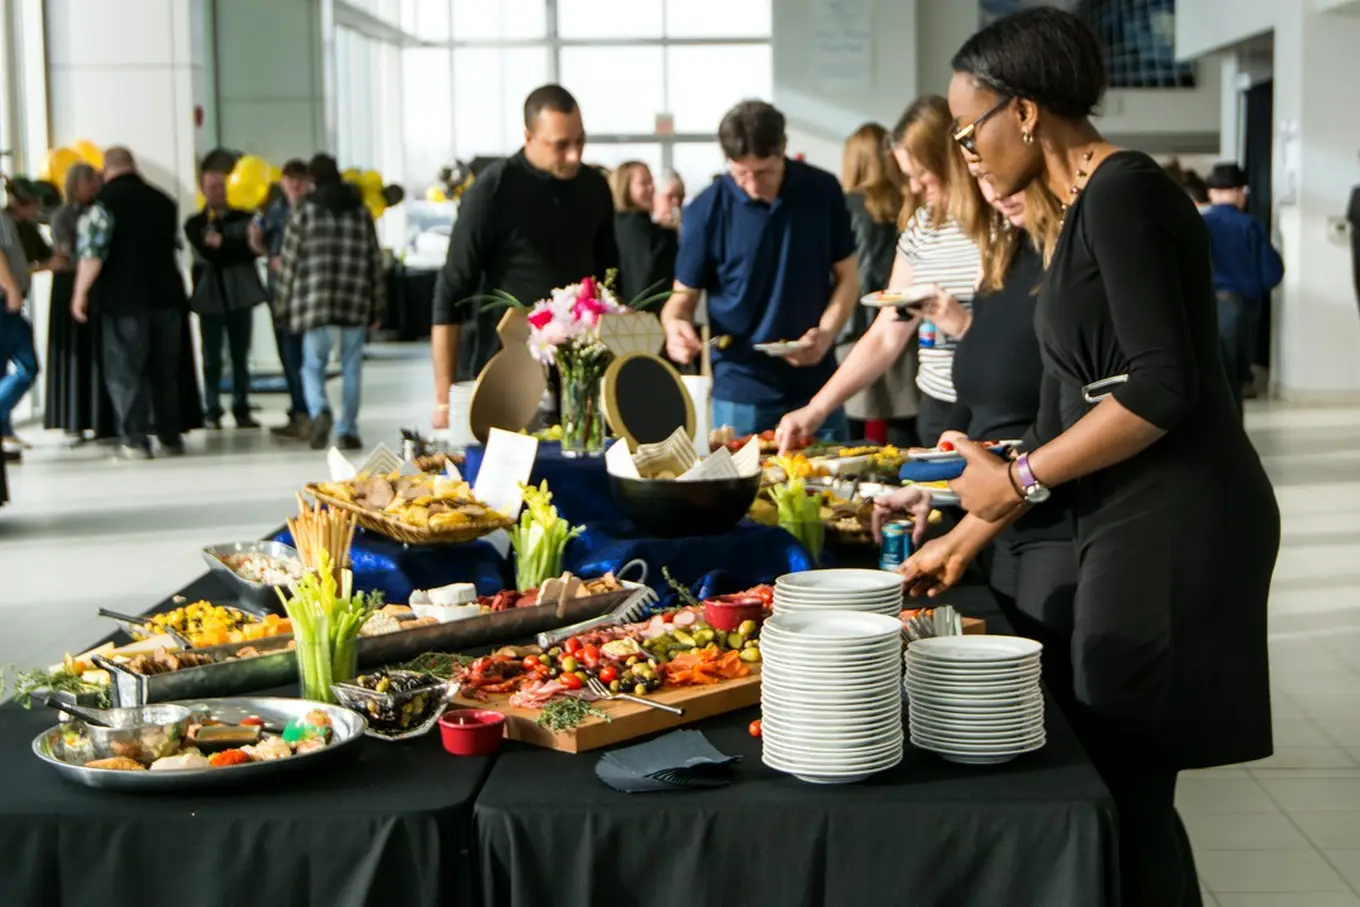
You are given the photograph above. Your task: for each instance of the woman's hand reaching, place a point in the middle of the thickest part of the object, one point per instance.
(915, 501)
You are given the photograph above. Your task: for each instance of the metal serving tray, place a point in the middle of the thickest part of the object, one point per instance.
(276, 665)
(59, 748)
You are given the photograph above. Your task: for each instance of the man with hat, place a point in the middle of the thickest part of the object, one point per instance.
(1246, 269)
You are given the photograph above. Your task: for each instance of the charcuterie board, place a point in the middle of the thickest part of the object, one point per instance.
(627, 720)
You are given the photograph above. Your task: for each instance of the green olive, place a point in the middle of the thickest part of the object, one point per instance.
(545, 659)
(585, 678)
(632, 660)
(615, 686)
(569, 664)
(751, 655)
(735, 640)
(747, 627)
(640, 690)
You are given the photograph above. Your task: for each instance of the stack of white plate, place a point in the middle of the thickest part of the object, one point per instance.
(831, 705)
(975, 699)
(874, 591)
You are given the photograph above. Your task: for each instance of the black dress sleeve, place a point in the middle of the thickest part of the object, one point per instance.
(470, 242)
(1132, 222)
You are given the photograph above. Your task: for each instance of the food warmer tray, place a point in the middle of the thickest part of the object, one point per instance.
(347, 727)
(276, 666)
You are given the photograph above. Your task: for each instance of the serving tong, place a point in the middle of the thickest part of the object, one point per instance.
(128, 622)
(631, 609)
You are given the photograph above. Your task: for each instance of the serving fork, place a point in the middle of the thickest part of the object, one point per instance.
(603, 692)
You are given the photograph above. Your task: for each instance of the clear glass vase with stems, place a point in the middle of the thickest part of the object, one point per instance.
(582, 366)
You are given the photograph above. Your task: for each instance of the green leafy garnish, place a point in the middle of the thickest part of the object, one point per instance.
(686, 597)
(443, 665)
(22, 684)
(564, 714)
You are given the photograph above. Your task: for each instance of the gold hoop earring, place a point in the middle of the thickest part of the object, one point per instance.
(1027, 137)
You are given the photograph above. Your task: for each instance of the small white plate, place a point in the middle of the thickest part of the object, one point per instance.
(832, 628)
(781, 347)
(908, 298)
(972, 649)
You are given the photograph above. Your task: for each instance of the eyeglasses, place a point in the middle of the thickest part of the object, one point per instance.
(967, 136)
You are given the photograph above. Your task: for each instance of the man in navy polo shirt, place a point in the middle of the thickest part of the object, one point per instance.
(770, 243)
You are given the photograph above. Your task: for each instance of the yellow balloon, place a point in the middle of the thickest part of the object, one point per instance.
(58, 161)
(436, 194)
(377, 211)
(199, 201)
(246, 192)
(89, 152)
(252, 168)
(371, 182)
(275, 175)
(351, 175)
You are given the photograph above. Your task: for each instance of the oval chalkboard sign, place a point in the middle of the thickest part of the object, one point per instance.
(645, 400)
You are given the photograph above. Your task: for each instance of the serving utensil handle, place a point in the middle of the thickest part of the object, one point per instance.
(660, 706)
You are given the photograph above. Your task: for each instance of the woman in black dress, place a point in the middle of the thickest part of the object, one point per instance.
(646, 249)
(76, 399)
(1177, 525)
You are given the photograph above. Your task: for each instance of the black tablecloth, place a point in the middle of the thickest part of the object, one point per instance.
(389, 823)
(1039, 830)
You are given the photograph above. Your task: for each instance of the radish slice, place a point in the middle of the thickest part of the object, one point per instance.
(685, 619)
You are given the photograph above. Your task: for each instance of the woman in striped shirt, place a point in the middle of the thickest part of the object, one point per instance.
(944, 243)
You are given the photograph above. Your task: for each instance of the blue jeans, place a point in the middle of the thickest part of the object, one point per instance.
(1238, 321)
(316, 353)
(16, 349)
(751, 418)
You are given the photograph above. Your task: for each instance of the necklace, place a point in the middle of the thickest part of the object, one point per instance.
(1076, 189)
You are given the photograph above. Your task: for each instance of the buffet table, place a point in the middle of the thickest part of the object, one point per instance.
(383, 824)
(1037, 831)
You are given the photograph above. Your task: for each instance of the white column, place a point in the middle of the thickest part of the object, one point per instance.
(1230, 108)
(1317, 324)
(123, 74)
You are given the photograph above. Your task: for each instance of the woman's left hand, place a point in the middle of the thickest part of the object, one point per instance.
(985, 489)
(948, 313)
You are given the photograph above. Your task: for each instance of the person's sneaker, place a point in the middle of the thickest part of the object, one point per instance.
(299, 428)
(12, 455)
(212, 423)
(14, 442)
(133, 452)
(350, 442)
(245, 420)
(321, 430)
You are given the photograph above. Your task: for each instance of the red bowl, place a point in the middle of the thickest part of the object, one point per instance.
(472, 732)
(727, 614)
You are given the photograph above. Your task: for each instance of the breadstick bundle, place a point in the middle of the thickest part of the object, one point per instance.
(319, 529)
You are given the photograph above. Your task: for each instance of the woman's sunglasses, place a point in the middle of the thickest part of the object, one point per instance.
(967, 136)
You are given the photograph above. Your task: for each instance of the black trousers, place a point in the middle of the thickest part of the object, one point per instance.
(234, 327)
(932, 418)
(141, 363)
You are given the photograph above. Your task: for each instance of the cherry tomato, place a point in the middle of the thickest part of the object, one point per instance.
(608, 674)
(252, 721)
(754, 728)
(573, 645)
(668, 617)
(531, 662)
(591, 656)
(946, 445)
(570, 681)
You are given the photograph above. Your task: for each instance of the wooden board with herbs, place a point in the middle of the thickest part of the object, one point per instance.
(627, 720)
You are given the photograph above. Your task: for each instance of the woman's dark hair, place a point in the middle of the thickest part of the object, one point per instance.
(1044, 55)
(752, 129)
(324, 170)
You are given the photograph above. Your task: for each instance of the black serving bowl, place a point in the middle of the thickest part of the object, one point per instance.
(674, 509)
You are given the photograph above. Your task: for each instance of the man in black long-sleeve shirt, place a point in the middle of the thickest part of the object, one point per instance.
(532, 222)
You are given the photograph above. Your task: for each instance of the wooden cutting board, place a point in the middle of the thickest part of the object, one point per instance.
(627, 720)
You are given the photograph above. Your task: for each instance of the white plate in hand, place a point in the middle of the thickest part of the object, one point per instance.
(935, 455)
(781, 347)
(908, 298)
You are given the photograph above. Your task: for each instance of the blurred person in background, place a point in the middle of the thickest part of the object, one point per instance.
(533, 222)
(18, 358)
(646, 248)
(76, 400)
(1246, 269)
(294, 186)
(227, 288)
(331, 281)
(771, 245)
(873, 194)
(669, 199)
(127, 246)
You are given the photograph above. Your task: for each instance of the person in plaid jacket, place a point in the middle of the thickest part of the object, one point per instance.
(331, 280)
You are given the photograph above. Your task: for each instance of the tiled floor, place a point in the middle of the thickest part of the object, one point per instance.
(83, 531)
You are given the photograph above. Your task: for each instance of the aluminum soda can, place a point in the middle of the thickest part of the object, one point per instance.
(928, 335)
(896, 544)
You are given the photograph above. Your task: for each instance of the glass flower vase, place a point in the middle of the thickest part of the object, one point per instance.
(582, 414)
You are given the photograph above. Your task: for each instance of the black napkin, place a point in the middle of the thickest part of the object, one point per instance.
(679, 760)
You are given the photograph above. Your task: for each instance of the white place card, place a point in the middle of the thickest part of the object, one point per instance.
(341, 469)
(618, 461)
(506, 465)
